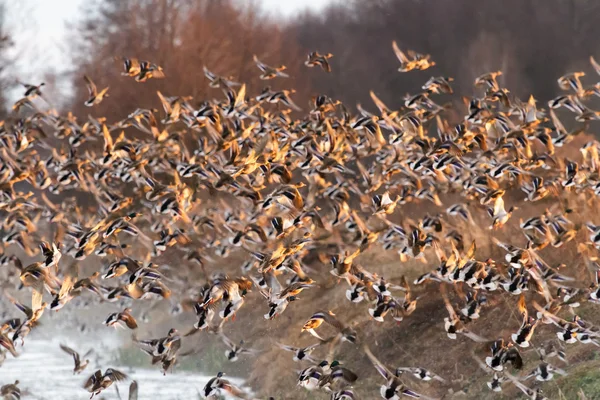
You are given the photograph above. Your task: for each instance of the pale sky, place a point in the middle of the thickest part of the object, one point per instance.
(47, 22)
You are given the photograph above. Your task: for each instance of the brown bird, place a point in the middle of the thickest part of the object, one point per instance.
(99, 381)
(123, 317)
(79, 364)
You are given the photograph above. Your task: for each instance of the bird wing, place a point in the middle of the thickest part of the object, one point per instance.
(523, 307)
(8, 344)
(70, 351)
(234, 390)
(404, 285)
(273, 284)
(241, 95)
(26, 310)
(383, 109)
(330, 319)
(37, 297)
(263, 67)
(228, 342)
(560, 128)
(595, 65)
(115, 375)
(382, 369)
(401, 56)
(108, 142)
(166, 105)
(499, 206)
(67, 285)
(91, 86)
(133, 391)
(359, 222)
(449, 307)
(129, 320)
(287, 348)
(211, 76)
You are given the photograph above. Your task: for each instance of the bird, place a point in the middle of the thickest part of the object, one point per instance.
(412, 61)
(95, 97)
(189, 213)
(269, 72)
(32, 91)
(523, 336)
(99, 381)
(419, 373)
(235, 350)
(301, 353)
(314, 59)
(345, 332)
(218, 384)
(123, 317)
(394, 388)
(11, 391)
(501, 354)
(79, 364)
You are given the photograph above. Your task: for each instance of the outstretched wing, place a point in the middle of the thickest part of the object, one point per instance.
(330, 319)
(228, 342)
(449, 307)
(91, 86)
(133, 391)
(108, 142)
(287, 348)
(115, 375)
(401, 56)
(263, 67)
(595, 65)
(211, 76)
(70, 351)
(37, 297)
(382, 369)
(383, 109)
(241, 95)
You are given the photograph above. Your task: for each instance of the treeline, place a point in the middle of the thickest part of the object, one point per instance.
(182, 36)
(532, 41)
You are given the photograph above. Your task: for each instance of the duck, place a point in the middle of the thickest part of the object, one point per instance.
(420, 373)
(301, 353)
(314, 59)
(11, 391)
(394, 388)
(310, 377)
(120, 318)
(149, 70)
(216, 385)
(234, 350)
(99, 381)
(414, 61)
(79, 364)
(345, 332)
(337, 377)
(523, 336)
(95, 96)
(269, 72)
(503, 353)
(216, 81)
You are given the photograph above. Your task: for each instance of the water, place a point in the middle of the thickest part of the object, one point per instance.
(45, 372)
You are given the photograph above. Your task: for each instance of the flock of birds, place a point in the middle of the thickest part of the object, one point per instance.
(240, 175)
